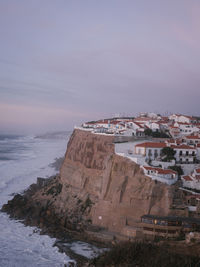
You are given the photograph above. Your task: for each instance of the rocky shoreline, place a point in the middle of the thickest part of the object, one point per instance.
(23, 207)
(96, 195)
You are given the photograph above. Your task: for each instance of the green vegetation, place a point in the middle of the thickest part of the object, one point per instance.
(143, 255)
(178, 169)
(87, 204)
(167, 154)
(55, 190)
(149, 132)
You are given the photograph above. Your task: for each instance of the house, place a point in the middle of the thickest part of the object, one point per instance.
(182, 118)
(143, 120)
(154, 126)
(103, 123)
(184, 153)
(168, 226)
(174, 131)
(188, 181)
(186, 128)
(150, 150)
(89, 125)
(192, 181)
(161, 173)
(137, 128)
(192, 139)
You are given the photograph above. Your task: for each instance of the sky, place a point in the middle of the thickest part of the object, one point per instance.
(64, 62)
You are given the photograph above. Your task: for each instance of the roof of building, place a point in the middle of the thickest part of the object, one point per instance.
(152, 145)
(187, 178)
(138, 124)
(193, 137)
(182, 147)
(172, 218)
(198, 170)
(197, 177)
(159, 170)
(143, 119)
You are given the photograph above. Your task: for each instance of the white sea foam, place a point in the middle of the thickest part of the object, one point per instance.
(22, 246)
(27, 159)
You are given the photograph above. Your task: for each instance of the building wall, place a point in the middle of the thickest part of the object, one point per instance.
(186, 155)
(153, 153)
(140, 150)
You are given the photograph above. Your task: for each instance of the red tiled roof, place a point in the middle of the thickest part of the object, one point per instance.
(174, 127)
(138, 124)
(182, 147)
(192, 137)
(159, 170)
(152, 144)
(115, 122)
(187, 178)
(184, 123)
(103, 121)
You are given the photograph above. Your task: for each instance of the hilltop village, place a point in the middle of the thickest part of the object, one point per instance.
(167, 149)
(123, 179)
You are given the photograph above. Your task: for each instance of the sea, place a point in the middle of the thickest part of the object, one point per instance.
(22, 160)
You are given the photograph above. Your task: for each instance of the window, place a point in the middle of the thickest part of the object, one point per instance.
(148, 229)
(187, 153)
(160, 231)
(150, 153)
(171, 231)
(181, 153)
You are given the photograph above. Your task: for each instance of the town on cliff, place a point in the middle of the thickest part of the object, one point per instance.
(167, 149)
(122, 179)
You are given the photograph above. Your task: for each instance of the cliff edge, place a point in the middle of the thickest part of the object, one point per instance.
(95, 187)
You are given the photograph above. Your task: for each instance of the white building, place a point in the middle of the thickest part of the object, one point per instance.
(186, 128)
(150, 150)
(192, 139)
(184, 153)
(161, 173)
(182, 118)
(192, 181)
(174, 131)
(154, 126)
(137, 128)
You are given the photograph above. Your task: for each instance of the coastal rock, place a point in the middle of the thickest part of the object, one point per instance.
(95, 187)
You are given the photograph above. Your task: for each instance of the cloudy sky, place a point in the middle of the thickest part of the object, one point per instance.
(67, 61)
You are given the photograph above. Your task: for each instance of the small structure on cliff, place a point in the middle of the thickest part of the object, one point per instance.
(169, 226)
(168, 176)
(192, 181)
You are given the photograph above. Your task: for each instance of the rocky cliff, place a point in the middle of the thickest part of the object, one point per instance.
(119, 191)
(95, 187)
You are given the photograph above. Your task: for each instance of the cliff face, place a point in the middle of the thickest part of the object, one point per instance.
(95, 186)
(116, 186)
